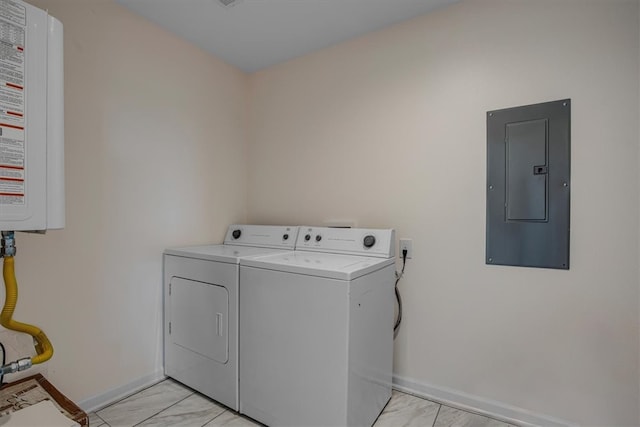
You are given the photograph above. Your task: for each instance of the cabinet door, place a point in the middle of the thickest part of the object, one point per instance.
(199, 314)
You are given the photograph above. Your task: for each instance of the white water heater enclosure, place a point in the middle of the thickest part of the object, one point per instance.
(31, 119)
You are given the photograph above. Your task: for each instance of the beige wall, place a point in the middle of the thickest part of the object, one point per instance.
(155, 157)
(389, 130)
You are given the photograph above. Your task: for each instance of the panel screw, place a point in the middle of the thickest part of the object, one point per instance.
(564, 184)
(490, 114)
(564, 103)
(491, 187)
(490, 259)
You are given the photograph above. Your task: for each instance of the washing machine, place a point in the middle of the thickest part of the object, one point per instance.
(201, 307)
(316, 329)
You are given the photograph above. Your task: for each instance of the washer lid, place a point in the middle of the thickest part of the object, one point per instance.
(333, 266)
(222, 253)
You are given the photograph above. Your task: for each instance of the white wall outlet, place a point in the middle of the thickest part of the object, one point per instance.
(408, 245)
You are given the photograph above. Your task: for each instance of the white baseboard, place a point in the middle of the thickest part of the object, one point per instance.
(468, 402)
(450, 397)
(110, 396)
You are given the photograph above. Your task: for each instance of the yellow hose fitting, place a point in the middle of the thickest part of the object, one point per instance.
(43, 346)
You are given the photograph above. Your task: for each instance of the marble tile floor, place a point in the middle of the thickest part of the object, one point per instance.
(170, 404)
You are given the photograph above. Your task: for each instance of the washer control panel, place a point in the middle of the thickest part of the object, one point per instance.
(265, 236)
(354, 241)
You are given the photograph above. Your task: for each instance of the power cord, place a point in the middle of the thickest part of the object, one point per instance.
(396, 327)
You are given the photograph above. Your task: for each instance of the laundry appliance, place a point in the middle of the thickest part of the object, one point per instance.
(201, 307)
(316, 329)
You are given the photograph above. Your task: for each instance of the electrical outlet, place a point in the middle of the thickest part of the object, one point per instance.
(408, 245)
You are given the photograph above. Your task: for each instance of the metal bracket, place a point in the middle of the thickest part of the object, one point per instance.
(8, 243)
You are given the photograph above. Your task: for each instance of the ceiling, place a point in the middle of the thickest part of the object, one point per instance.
(255, 34)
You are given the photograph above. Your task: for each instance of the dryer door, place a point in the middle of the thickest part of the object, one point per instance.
(199, 314)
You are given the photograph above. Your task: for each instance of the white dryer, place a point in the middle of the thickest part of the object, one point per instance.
(201, 307)
(316, 329)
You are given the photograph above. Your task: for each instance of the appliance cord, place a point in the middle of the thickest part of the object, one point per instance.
(396, 327)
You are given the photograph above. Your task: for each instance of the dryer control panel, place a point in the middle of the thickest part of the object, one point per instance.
(352, 241)
(262, 236)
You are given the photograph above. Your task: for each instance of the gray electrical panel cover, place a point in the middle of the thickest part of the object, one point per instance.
(528, 187)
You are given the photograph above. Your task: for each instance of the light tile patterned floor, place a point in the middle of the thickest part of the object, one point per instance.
(170, 404)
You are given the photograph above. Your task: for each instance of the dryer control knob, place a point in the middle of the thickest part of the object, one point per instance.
(318, 238)
(307, 237)
(369, 241)
(236, 234)
(285, 237)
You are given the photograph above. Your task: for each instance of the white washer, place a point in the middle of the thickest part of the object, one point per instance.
(316, 330)
(201, 307)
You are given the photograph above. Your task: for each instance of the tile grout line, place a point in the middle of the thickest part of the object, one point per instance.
(458, 408)
(128, 396)
(100, 418)
(508, 423)
(225, 410)
(384, 409)
(164, 409)
(437, 413)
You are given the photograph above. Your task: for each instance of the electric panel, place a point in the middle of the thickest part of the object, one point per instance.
(528, 187)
